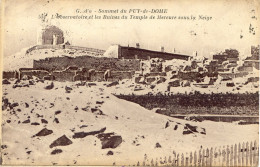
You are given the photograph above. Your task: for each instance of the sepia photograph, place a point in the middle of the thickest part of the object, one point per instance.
(129, 83)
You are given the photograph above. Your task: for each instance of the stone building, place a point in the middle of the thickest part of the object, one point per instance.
(126, 52)
(50, 35)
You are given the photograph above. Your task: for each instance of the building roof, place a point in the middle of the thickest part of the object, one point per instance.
(152, 51)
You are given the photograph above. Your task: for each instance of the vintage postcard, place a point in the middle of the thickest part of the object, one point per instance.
(130, 83)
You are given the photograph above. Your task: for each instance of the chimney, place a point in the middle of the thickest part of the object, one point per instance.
(138, 45)
(162, 49)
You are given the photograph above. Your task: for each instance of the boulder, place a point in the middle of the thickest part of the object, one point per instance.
(111, 142)
(157, 145)
(44, 132)
(56, 151)
(113, 84)
(48, 87)
(26, 121)
(5, 82)
(35, 123)
(84, 134)
(61, 141)
(97, 111)
(44, 121)
(110, 153)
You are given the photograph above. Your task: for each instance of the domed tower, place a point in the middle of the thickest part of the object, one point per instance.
(50, 35)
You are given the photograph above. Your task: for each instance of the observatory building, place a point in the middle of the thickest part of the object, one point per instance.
(50, 35)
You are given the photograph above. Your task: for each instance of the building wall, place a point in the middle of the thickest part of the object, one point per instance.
(99, 64)
(136, 53)
(37, 73)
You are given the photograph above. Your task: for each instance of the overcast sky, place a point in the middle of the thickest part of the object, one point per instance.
(228, 28)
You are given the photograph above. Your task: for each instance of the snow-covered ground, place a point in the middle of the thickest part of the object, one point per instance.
(92, 108)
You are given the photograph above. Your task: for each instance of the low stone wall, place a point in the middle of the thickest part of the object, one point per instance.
(89, 62)
(37, 73)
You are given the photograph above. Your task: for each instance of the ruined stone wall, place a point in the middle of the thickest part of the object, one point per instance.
(99, 64)
(63, 76)
(10, 74)
(37, 73)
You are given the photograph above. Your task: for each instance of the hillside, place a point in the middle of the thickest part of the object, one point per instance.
(69, 124)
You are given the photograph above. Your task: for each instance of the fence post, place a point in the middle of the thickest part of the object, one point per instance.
(170, 160)
(243, 149)
(231, 156)
(211, 156)
(174, 160)
(228, 151)
(191, 159)
(219, 157)
(254, 154)
(195, 159)
(247, 151)
(257, 153)
(182, 159)
(186, 160)
(250, 153)
(156, 163)
(203, 157)
(152, 164)
(215, 157)
(207, 157)
(235, 155)
(239, 155)
(199, 159)
(177, 162)
(223, 156)
(165, 161)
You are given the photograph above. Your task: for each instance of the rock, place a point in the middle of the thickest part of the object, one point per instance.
(56, 151)
(113, 84)
(48, 87)
(97, 111)
(83, 126)
(157, 145)
(175, 127)
(28, 152)
(191, 128)
(57, 112)
(43, 132)
(111, 142)
(5, 82)
(91, 84)
(31, 82)
(61, 141)
(35, 123)
(68, 89)
(99, 102)
(84, 134)
(44, 121)
(167, 124)
(26, 105)
(110, 153)
(49, 77)
(56, 120)
(186, 132)
(3, 146)
(26, 121)
(26, 77)
(14, 105)
(203, 131)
